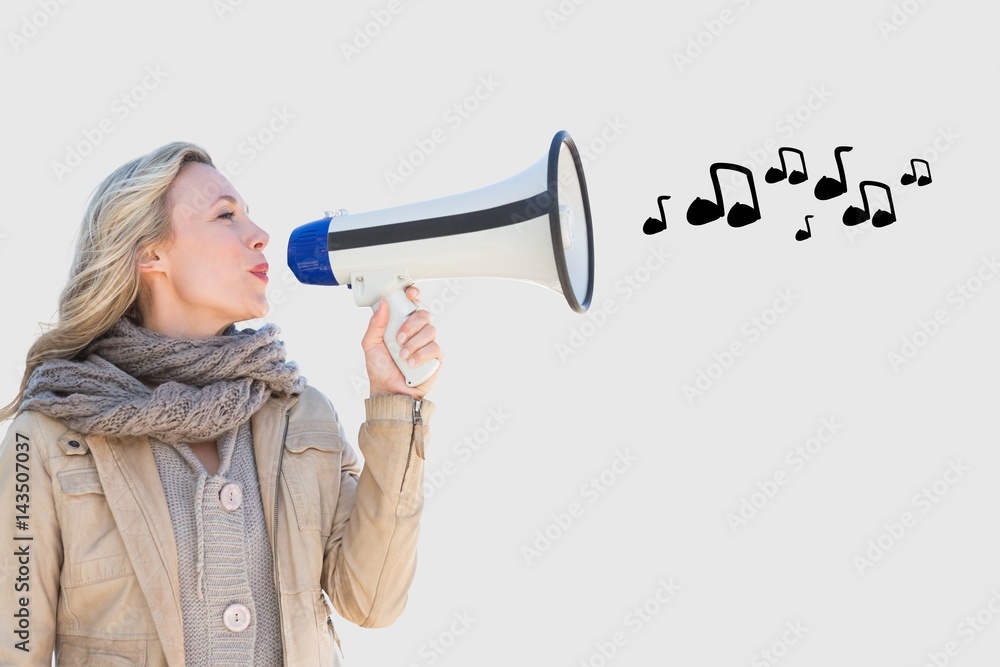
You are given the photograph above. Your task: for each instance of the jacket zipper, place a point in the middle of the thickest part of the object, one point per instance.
(274, 545)
(413, 438)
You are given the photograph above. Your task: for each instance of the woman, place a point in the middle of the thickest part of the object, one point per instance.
(181, 495)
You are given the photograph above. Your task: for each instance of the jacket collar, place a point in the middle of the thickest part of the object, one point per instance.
(268, 427)
(134, 493)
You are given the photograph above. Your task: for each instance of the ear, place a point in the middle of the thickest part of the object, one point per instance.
(149, 261)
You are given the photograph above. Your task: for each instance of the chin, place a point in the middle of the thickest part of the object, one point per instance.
(249, 314)
(261, 311)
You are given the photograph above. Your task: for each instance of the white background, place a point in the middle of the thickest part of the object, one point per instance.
(897, 80)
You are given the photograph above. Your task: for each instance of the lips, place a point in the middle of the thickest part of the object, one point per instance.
(260, 271)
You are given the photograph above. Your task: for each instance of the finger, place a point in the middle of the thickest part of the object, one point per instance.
(416, 321)
(425, 336)
(429, 351)
(413, 293)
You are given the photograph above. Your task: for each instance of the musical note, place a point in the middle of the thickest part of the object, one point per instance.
(806, 233)
(827, 187)
(652, 225)
(774, 174)
(910, 178)
(702, 211)
(855, 216)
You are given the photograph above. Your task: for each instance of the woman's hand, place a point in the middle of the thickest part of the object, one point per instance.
(383, 376)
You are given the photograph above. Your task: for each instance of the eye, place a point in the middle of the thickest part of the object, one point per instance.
(227, 214)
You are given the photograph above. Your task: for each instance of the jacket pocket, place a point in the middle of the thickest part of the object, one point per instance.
(100, 594)
(79, 481)
(310, 469)
(92, 547)
(85, 652)
(300, 440)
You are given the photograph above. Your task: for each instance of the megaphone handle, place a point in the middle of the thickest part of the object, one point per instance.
(400, 308)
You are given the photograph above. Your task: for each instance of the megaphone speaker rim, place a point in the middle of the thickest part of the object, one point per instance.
(562, 137)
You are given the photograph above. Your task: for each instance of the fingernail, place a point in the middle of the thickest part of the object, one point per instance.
(404, 353)
(413, 362)
(401, 337)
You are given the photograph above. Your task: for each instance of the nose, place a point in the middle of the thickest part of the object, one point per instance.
(258, 237)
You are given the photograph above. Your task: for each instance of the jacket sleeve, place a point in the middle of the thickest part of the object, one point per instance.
(31, 547)
(372, 552)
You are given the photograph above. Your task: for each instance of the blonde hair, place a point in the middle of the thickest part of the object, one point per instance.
(127, 214)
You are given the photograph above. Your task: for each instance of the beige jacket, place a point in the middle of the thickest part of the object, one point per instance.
(88, 564)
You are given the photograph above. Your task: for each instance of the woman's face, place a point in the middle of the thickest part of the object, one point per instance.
(212, 273)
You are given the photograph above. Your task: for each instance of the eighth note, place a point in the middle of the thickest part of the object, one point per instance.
(774, 174)
(652, 225)
(923, 180)
(828, 188)
(855, 216)
(702, 211)
(806, 233)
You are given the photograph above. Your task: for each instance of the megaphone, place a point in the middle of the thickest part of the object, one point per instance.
(534, 226)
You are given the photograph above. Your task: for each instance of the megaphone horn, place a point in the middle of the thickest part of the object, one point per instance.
(534, 226)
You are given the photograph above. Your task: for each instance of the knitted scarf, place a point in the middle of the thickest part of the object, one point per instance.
(203, 386)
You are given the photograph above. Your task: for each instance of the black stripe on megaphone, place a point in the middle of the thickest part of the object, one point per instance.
(446, 225)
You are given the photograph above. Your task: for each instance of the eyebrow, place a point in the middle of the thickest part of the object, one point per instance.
(231, 200)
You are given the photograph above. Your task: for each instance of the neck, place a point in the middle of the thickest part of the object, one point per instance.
(189, 327)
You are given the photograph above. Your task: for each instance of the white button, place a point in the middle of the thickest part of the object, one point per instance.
(236, 617)
(231, 496)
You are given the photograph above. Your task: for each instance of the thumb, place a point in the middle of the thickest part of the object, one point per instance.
(378, 323)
